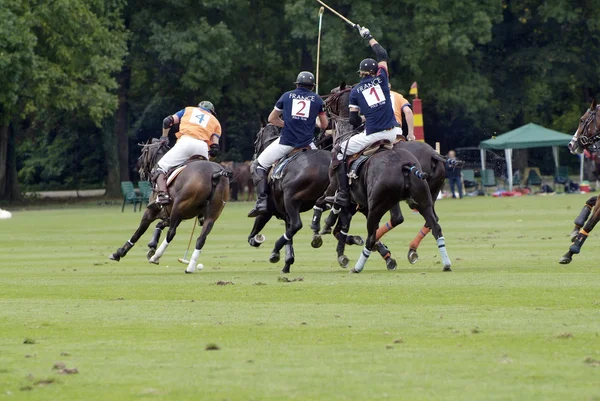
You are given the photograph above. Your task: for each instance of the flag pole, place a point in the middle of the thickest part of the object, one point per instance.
(321, 11)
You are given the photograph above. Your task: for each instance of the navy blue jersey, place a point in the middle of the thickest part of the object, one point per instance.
(300, 109)
(372, 97)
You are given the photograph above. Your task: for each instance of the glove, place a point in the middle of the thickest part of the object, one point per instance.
(364, 32)
(214, 150)
(164, 140)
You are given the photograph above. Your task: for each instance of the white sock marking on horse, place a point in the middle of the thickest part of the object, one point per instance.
(192, 265)
(441, 243)
(360, 263)
(159, 252)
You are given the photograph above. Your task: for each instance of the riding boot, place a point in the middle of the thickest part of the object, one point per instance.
(163, 194)
(342, 196)
(262, 186)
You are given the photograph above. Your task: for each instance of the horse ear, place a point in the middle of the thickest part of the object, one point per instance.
(594, 104)
(263, 122)
(343, 85)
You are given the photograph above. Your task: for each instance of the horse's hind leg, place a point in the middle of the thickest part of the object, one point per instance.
(148, 217)
(206, 229)
(396, 219)
(293, 225)
(430, 220)
(174, 221)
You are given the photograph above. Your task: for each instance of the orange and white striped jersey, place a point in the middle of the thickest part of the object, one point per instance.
(398, 102)
(198, 123)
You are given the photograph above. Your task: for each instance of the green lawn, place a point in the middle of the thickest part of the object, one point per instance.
(509, 323)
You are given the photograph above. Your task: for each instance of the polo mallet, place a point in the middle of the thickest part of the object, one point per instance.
(321, 11)
(352, 24)
(184, 259)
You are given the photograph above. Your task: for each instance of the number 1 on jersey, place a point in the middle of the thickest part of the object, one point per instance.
(374, 95)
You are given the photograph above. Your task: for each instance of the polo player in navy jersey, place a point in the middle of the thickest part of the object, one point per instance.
(371, 97)
(299, 109)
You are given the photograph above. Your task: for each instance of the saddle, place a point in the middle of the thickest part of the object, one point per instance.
(175, 171)
(355, 161)
(279, 167)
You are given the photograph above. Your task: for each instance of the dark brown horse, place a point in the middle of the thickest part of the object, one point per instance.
(303, 181)
(431, 162)
(200, 190)
(587, 137)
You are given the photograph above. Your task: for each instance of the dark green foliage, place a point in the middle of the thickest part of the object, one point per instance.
(482, 68)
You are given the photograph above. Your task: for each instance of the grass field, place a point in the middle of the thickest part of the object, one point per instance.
(509, 323)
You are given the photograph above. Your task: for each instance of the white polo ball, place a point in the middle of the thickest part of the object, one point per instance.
(199, 266)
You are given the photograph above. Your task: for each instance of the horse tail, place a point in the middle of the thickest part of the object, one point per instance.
(411, 168)
(217, 178)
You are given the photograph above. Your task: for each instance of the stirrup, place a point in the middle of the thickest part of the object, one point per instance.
(163, 198)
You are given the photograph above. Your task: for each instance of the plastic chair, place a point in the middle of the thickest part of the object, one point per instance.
(561, 177)
(130, 196)
(488, 179)
(534, 179)
(469, 180)
(145, 191)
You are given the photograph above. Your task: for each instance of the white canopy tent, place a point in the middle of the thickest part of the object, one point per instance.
(527, 136)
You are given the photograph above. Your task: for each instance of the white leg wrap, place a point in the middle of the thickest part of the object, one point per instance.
(441, 243)
(159, 252)
(360, 263)
(192, 265)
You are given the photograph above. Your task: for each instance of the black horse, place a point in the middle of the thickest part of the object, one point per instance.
(431, 162)
(301, 184)
(587, 137)
(200, 190)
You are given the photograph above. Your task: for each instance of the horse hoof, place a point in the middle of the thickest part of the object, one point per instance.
(343, 261)
(353, 270)
(187, 272)
(274, 257)
(565, 260)
(575, 249)
(447, 269)
(391, 264)
(285, 270)
(114, 257)
(355, 240)
(413, 257)
(317, 241)
(150, 253)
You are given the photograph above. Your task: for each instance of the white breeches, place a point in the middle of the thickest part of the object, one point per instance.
(185, 148)
(274, 152)
(362, 141)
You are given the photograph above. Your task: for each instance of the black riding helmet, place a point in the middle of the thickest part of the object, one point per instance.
(368, 65)
(305, 78)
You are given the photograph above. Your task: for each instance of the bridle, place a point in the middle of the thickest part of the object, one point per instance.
(587, 141)
(333, 100)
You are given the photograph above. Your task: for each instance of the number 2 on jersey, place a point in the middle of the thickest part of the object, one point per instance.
(299, 108)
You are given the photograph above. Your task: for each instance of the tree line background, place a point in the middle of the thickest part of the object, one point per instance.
(83, 81)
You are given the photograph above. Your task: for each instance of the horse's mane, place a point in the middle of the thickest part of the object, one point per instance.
(151, 152)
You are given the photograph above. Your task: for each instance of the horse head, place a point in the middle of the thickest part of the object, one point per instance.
(152, 152)
(588, 131)
(267, 134)
(338, 101)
